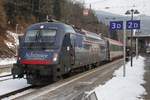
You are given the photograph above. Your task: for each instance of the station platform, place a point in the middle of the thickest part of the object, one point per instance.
(75, 86)
(147, 77)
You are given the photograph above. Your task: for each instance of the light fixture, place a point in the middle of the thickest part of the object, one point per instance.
(128, 12)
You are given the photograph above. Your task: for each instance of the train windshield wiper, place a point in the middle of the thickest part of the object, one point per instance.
(37, 36)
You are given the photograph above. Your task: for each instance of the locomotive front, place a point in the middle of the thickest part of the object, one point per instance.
(38, 54)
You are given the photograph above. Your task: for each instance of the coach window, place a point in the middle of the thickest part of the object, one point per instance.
(103, 48)
(87, 46)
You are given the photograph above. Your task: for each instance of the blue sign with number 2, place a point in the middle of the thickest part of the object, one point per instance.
(133, 24)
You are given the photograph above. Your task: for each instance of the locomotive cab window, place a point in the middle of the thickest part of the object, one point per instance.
(40, 35)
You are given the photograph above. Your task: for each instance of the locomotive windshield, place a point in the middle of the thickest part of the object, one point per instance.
(40, 35)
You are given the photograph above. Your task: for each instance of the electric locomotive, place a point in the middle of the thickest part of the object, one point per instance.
(49, 50)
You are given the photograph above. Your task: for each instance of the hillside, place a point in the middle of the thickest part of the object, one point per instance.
(8, 45)
(145, 24)
(105, 17)
(18, 14)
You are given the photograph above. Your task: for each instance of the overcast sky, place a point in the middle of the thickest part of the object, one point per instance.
(119, 6)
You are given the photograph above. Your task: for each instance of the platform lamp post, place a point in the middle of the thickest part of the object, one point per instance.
(132, 12)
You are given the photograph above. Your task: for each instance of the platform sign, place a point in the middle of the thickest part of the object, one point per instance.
(133, 24)
(116, 25)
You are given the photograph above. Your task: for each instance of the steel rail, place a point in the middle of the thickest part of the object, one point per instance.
(5, 75)
(15, 92)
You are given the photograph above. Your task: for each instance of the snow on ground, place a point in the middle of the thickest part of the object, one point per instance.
(124, 88)
(15, 36)
(5, 73)
(10, 44)
(11, 85)
(7, 61)
(5, 78)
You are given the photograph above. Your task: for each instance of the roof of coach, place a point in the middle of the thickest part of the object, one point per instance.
(91, 35)
(115, 42)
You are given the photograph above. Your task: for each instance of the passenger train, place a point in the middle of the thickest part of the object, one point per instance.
(49, 50)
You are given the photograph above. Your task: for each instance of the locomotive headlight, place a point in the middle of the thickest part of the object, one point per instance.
(55, 57)
(18, 58)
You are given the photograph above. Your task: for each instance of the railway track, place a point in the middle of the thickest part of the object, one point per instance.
(84, 81)
(5, 68)
(15, 92)
(5, 77)
(5, 72)
(57, 85)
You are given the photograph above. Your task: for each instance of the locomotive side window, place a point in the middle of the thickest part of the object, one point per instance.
(72, 38)
(78, 41)
(66, 41)
(69, 29)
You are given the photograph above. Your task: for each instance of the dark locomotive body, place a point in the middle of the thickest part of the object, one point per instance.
(52, 49)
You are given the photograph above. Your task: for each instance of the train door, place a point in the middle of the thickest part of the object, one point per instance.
(108, 50)
(67, 53)
(102, 51)
(72, 49)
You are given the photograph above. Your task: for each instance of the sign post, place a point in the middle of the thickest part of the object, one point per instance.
(136, 48)
(130, 25)
(118, 25)
(124, 51)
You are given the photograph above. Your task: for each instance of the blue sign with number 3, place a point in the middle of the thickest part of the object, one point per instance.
(133, 24)
(116, 25)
